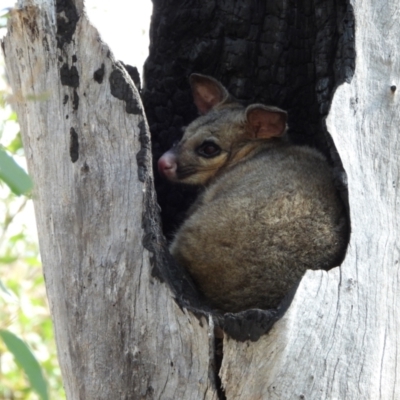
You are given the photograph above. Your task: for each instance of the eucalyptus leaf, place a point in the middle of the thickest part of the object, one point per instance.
(13, 175)
(27, 361)
(15, 145)
(8, 259)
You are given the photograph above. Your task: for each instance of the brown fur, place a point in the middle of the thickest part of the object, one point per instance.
(269, 210)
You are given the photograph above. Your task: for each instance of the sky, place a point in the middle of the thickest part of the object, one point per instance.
(116, 21)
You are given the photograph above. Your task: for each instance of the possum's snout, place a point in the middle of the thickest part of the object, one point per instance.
(167, 165)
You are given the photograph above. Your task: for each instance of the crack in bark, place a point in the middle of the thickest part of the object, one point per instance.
(75, 101)
(73, 145)
(218, 356)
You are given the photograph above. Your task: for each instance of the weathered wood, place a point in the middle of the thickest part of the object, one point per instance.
(339, 339)
(120, 333)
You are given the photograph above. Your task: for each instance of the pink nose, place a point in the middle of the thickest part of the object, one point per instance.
(167, 165)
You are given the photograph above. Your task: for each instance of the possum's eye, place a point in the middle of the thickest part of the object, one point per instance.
(208, 150)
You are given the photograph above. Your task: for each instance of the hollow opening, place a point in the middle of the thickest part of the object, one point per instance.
(291, 54)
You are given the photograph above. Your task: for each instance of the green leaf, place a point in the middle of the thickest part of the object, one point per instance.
(38, 97)
(8, 259)
(32, 261)
(13, 175)
(15, 145)
(27, 362)
(16, 238)
(13, 117)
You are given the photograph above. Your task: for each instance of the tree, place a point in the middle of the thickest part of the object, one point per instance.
(25, 329)
(127, 320)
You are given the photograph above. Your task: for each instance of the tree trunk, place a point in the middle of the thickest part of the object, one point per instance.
(125, 316)
(120, 333)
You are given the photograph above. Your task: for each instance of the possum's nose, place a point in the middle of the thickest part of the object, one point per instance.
(167, 165)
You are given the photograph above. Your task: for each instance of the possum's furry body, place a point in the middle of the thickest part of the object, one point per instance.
(268, 213)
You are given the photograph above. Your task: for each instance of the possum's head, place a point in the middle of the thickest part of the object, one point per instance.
(224, 134)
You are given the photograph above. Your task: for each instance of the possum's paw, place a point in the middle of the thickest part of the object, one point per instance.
(249, 324)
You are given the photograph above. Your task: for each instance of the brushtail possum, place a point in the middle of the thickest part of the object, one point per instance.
(269, 210)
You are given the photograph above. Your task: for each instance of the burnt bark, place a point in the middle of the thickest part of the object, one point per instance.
(292, 54)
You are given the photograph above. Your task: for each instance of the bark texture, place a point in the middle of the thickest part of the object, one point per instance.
(120, 333)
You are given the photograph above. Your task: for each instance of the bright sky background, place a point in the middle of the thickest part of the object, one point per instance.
(123, 25)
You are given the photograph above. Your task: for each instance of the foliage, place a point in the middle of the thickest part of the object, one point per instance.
(28, 361)
(13, 175)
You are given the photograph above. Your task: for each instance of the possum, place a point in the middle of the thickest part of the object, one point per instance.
(269, 209)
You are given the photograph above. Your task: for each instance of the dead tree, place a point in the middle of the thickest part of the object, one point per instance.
(129, 324)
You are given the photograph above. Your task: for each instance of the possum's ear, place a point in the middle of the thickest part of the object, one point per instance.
(264, 122)
(207, 92)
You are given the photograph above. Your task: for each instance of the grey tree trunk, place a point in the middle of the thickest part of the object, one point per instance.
(128, 323)
(120, 333)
